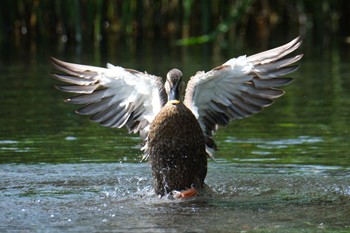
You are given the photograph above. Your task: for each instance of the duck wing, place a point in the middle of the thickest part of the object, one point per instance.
(113, 96)
(239, 88)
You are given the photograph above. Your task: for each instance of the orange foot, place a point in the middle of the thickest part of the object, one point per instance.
(186, 193)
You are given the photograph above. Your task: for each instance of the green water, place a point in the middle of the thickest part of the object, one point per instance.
(284, 168)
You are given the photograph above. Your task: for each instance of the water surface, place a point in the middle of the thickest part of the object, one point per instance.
(119, 198)
(285, 169)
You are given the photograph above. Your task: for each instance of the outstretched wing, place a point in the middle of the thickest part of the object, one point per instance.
(239, 88)
(113, 96)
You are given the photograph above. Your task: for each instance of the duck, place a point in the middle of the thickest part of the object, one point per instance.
(176, 122)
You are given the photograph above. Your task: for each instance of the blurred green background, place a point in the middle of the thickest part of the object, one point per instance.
(183, 22)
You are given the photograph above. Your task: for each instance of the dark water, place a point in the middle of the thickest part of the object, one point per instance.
(285, 169)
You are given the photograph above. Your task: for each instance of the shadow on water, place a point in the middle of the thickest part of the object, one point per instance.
(285, 169)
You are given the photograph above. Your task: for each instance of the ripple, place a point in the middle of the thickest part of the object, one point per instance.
(280, 142)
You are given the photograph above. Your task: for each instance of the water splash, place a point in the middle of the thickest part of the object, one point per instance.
(95, 196)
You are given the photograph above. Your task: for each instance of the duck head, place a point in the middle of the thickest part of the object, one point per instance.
(174, 84)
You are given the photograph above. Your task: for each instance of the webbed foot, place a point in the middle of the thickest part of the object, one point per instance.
(185, 193)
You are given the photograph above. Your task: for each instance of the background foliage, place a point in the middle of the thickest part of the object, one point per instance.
(183, 21)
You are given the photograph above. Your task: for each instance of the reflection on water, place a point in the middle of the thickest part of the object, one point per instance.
(119, 197)
(285, 168)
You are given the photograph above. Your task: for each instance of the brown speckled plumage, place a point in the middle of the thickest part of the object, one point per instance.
(176, 150)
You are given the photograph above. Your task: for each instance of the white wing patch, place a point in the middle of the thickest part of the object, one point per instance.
(219, 85)
(114, 96)
(239, 88)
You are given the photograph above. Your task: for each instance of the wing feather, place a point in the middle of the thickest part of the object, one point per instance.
(73, 80)
(239, 88)
(94, 97)
(113, 96)
(77, 89)
(267, 83)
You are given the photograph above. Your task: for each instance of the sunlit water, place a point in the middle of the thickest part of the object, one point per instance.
(119, 197)
(285, 169)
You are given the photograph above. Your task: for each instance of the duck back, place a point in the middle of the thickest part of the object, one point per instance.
(176, 149)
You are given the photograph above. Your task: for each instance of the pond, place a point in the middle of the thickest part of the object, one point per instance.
(284, 169)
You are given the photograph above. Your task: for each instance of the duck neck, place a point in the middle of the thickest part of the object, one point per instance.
(174, 95)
